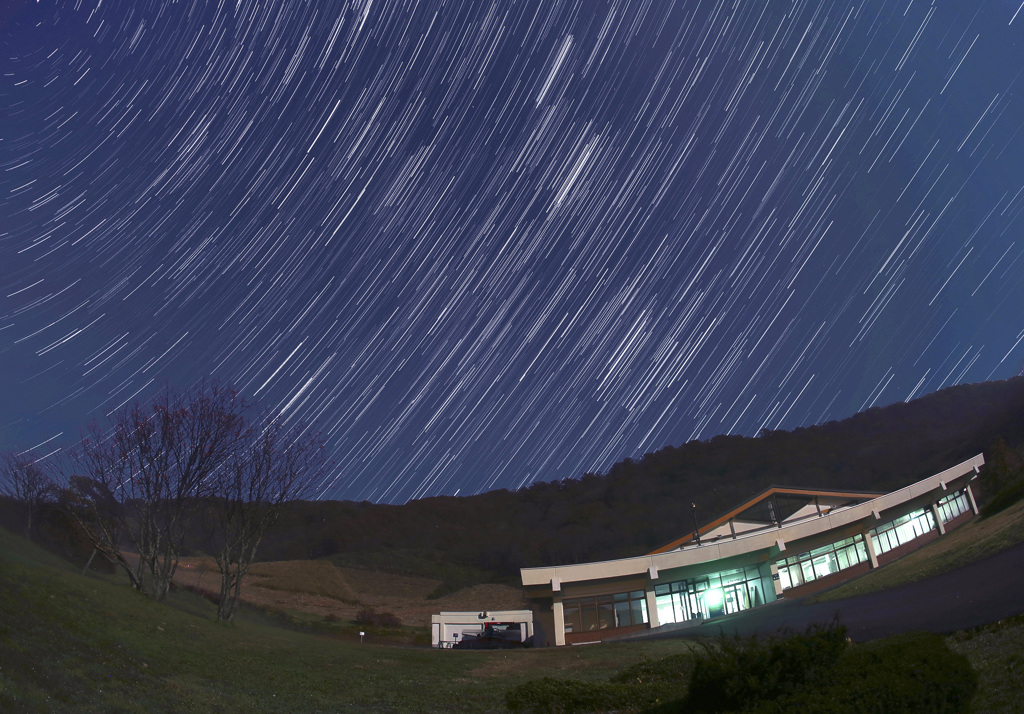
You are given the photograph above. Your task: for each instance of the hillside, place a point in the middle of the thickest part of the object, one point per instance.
(73, 643)
(319, 588)
(643, 503)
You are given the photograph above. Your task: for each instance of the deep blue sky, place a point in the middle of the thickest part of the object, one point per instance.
(480, 244)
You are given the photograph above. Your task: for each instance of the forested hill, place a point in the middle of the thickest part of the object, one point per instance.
(642, 504)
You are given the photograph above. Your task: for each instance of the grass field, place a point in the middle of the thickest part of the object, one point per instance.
(74, 643)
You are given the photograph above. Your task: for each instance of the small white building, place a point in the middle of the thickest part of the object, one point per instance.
(449, 628)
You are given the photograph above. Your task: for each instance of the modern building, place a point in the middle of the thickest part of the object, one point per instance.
(783, 542)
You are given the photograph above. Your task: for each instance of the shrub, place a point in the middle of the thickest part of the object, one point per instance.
(739, 672)
(1006, 497)
(201, 592)
(911, 673)
(817, 672)
(371, 618)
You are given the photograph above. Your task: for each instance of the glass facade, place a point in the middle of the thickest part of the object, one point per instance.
(902, 530)
(718, 594)
(953, 505)
(808, 567)
(604, 612)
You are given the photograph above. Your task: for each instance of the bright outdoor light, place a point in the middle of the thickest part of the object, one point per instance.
(713, 598)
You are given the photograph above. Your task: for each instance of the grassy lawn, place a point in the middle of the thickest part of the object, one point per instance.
(971, 542)
(996, 653)
(73, 643)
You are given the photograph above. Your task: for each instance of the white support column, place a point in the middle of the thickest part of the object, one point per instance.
(938, 520)
(970, 497)
(776, 582)
(870, 545)
(556, 609)
(652, 607)
(652, 603)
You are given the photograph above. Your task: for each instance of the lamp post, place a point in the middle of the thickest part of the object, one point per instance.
(696, 531)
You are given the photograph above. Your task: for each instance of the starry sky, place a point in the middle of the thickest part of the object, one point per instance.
(483, 243)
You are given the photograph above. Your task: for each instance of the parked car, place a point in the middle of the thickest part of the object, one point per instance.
(494, 638)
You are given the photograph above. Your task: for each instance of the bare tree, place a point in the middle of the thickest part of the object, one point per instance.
(23, 480)
(277, 465)
(137, 485)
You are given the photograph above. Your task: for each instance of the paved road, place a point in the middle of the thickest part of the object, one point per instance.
(977, 594)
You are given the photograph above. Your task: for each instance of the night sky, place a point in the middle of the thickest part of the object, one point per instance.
(479, 244)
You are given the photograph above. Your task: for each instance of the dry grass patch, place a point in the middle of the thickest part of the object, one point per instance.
(312, 586)
(406, 596)
(310, 577)
(374, 586)
(318, 587)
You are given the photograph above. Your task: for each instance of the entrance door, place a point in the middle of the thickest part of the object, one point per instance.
(735, 598)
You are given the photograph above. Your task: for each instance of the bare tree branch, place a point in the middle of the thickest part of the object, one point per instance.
(138, 484)
(23, 480)
(277, 465)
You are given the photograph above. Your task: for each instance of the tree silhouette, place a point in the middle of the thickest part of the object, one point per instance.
(23, 480)
(271, 467)
(137, 483)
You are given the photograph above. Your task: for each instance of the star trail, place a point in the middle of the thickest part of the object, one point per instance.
(479, 244)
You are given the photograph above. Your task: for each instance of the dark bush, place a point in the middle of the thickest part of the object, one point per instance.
(818, 672)
(912, 673)
(369, 617)
(1008, 495)
(738, 672)
(202, 592)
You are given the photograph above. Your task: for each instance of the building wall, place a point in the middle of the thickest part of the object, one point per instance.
(577, 638)
(899, 551)
(827, 582)
(910, 547)
(543, 624)
(958, 521)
